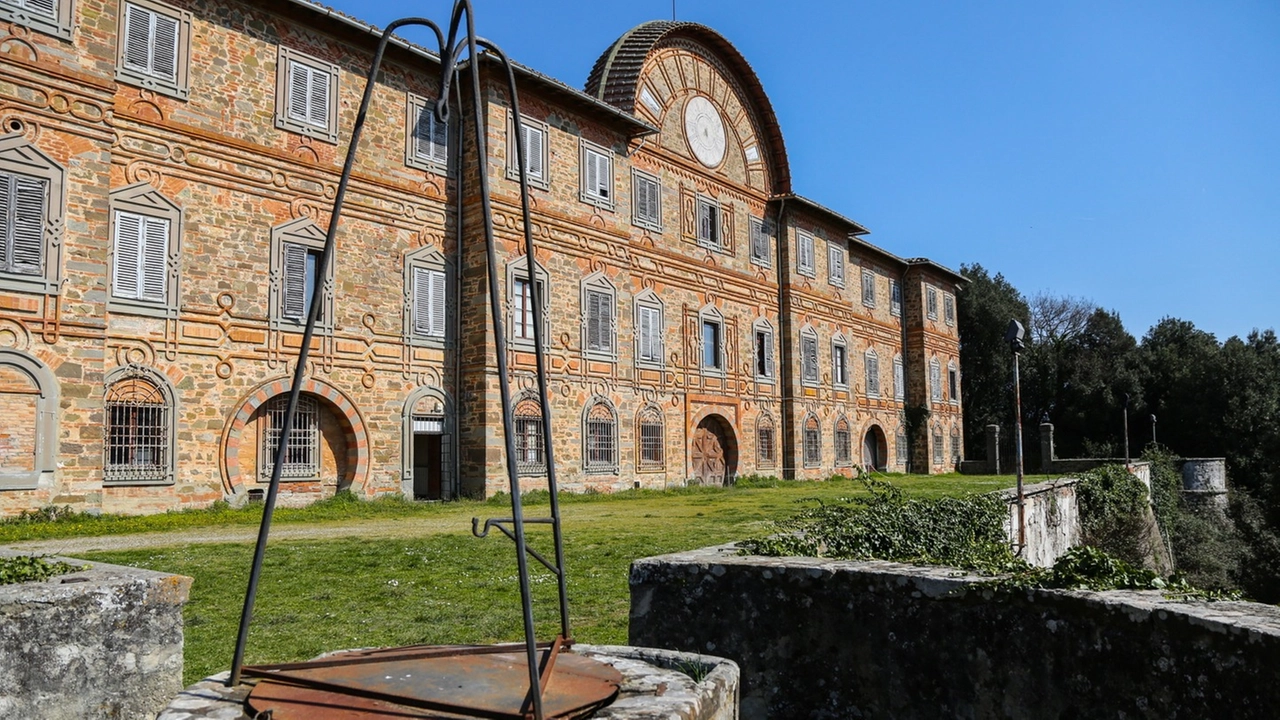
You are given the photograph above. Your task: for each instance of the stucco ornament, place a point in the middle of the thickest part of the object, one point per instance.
(705, 131)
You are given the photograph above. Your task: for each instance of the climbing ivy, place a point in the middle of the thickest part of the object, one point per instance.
(29, 568)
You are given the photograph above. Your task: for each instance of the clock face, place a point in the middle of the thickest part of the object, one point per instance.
(704, 130)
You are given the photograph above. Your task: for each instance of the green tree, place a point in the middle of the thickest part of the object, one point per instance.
(984, 307)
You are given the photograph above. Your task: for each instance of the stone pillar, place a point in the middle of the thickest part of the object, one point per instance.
(993, 449)
(1046, 447)
(1204, 482)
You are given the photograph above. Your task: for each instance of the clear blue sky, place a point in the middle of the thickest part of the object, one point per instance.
(1124, 152)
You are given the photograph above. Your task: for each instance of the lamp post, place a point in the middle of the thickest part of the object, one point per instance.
(1153, 428)
(1126, 429)
(1014, 335)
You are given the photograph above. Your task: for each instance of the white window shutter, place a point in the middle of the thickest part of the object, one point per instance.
(604, 176)
(299, 91)
(768, 354)
(28, 224)
(165, 58)
(295, 281)
(592, 170)
(421, 301)
(606, 322)
(318, 112)
(137, 38)
(127, 252)
(47, 8)
(437, 280)
(154, 259)
(533, 147)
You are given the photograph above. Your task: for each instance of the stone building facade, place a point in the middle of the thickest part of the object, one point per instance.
(167, 171)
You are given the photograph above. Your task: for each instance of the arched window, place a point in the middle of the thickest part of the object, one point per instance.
(29, 405)
(531, 458)
(651, 438)
(900, 446)
(955, 445)
(842, 443)
(937, 446)
(812, 442)
(766, 443)
(600, 438)
(139, 434)
(302, 455)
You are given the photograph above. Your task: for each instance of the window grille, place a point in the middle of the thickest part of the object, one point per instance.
(530, 456)
(137, 443)
(302, 455)
(22, 209)
(873, 373)
(812, 443)
(652, 441)
(937, 447)
(900, 446)
(709, 224)
(151, 43)
(955, 446)
(935, 380)
(760, 254)
(868, 288)
(602, 439)
(766, 451)
(842, 442)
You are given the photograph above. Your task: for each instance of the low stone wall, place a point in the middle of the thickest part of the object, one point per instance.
(1052, 516)
(102, 643)
(821, 639)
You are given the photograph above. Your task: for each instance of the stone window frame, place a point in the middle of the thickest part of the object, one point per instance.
(306, 233)
(895, 298)
(143, 199)
(431, 259)
(837, 259)
(949, 309)
(177, 87)
(170, 403)
(530, 435)
(869, 288)
(20, 158)
(953, 383)
(810, 369)
(598, 283)
(517, 269)
(811, 442)
(761, 232)
(899, 379)
(60, 25)
(710, 314)
(935, 380)
(46, 426)
(762, 327)
(842, 440)
(931, 302)
(593, 414)
(765, 423)
(643, 213)
(649, 300)
(805, 264)
(651, 415)
(536, 128)
(839, 362)
(307, 420)
(286, 58)
(415, 107)
(871, 366)
(595, 155)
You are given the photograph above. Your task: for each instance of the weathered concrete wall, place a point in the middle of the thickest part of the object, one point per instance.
(102, 643)
(1052, 516)
(825, 639)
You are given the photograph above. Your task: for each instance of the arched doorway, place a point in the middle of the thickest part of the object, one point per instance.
(875, 449)
(713, 454)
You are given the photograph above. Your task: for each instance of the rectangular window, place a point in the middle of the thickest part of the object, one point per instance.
(868, 288)
(899, 384)
(22, 206)
(48, 16)
(602, 451)
(955, 448)
(43, 8)
(428, 302)
(709, 224)
(522, 308)
(931, 298)
(935, 381)
(535, 136)
(812, 447)
(529, 445)
(597, 176)
(307, 95)
(839, 365)
(428, 138)
(651, 444)
(302, 456)
(711, 344)
(953, 385)
(873, 375)
(141, 262)
(646, 200)
(765, 453)
(937, 448)
(761, 253)
(809, 359)
(900, 446)
(301, 273)
(804, 252)
(649, 320)
(895, 298)
(835, 264)
(764, 354)
(949, 308)
(150, 43)
(599, 322)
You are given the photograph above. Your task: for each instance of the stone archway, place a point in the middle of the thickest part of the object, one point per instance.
(875, 449)
(713, 452)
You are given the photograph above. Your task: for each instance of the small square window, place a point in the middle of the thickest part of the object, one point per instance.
(307, 95)
(761, 253)
(597, 176)
(154, 47)
(646, 200)
(709, 224)
(426, 138)
(835, 264)
(804, 252)
(535, 136)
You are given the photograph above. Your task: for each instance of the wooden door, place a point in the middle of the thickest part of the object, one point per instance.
(708, 454)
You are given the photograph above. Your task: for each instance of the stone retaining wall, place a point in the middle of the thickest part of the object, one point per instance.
(102, 643)
(823, 639)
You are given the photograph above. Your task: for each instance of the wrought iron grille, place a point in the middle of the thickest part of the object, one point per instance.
(843, 451)
(937, 447)
(137, 447)
(765, 446)
(812, 444)
(302, 457)
(528, 431)
(900, 443)
(602, 439)
(651, 440)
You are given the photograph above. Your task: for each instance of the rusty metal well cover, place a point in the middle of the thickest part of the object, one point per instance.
(455, 681)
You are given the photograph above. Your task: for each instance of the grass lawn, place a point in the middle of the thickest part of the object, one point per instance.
(449, 587)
